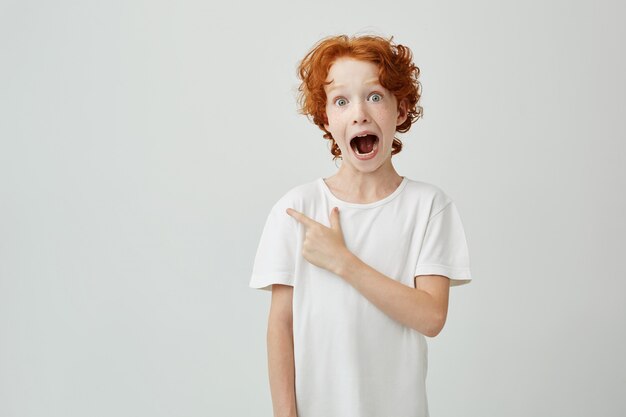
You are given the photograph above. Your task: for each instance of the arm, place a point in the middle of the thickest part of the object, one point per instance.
(423, 308)
(280, 352)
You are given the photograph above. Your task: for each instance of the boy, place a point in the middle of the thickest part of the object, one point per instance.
(360, 263)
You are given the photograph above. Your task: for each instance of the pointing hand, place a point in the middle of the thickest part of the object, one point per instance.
(323, 246)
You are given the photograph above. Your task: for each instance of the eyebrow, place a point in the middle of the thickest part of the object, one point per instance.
(369, 82)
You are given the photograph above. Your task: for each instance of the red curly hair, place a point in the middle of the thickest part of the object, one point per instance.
(397, 73)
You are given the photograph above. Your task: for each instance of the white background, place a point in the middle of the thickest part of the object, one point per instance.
(143, 144)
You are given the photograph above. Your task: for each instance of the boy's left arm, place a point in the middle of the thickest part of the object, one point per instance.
(423, 308)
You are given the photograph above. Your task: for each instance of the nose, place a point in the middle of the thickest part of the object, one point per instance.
(360, 114)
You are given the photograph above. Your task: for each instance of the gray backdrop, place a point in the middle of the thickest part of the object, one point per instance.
(143, 144)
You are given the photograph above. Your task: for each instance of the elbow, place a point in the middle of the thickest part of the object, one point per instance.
(434, 325)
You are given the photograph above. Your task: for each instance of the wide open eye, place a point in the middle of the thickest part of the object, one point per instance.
(376, 97)
(341, 101)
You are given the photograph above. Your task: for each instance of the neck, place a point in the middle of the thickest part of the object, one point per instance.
(364, 187)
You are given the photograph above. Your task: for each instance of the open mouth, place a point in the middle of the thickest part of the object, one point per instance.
(365, 146)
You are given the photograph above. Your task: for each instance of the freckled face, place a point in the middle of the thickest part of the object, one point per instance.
(357, 105)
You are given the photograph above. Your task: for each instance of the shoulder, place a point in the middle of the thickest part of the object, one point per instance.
(429, 196)
(299, 196)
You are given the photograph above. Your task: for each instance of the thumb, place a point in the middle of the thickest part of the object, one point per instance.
(334, 219)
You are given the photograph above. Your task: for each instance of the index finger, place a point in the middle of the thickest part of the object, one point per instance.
(307, 221)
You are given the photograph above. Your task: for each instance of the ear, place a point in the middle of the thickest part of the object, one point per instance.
(402, 113)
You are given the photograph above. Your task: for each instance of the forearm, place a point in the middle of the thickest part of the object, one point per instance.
(281, 368)
(412, 307)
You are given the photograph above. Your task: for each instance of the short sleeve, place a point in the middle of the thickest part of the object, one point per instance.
(444, 249)
(275, 258)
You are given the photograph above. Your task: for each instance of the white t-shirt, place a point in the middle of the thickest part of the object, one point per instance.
(351, 359)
